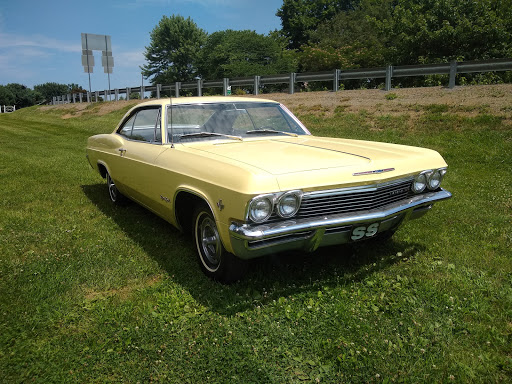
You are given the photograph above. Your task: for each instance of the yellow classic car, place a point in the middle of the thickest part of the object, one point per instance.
(247, 179)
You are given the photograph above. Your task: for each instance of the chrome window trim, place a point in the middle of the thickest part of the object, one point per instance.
(134, 112)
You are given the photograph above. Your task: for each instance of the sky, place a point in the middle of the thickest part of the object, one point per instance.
(40, 41)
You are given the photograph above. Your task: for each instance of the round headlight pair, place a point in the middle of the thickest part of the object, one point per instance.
(420, 182)
(287, 205)
(261, 207)
(430, 179)
(434, 181)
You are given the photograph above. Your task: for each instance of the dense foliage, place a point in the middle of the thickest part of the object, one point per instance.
(22, 96)
(19, 95)
(51, 90)
(243, 53)
(300, 17)
(349, 39)
(434, 30)
(319, 35)
(174, 50)
(401, 32)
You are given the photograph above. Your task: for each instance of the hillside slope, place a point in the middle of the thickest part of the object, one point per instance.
(466, 101)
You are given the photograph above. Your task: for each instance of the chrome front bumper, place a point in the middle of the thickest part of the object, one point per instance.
(255, 240)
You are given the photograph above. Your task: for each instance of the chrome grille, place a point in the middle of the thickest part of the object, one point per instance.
(354, 199)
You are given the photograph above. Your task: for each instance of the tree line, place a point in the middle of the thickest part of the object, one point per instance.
(22, 96)
(319, 35)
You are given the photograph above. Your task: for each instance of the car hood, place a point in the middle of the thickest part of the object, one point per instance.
(312, 161)
(288, 156)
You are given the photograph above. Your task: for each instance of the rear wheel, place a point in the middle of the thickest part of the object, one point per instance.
(115, 196)
(214, 260)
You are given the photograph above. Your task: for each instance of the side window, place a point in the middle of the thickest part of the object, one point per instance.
(143, 126)
(126, 129)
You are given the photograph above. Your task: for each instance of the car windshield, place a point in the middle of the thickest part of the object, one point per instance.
(235, 121)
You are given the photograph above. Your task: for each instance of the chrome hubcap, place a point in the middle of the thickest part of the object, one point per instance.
(112, 190)
(210, 243)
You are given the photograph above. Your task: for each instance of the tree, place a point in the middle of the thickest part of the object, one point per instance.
(351, 39)
(300, 17)
(75, 88)
(6, 96)
(50, 90)
(24, 96)
(434, 30)
(243, 53)
(173, 51)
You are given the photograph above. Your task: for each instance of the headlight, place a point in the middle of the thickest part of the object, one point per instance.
(260, 208)
(434, 181)
(289, 203)
(420, 182)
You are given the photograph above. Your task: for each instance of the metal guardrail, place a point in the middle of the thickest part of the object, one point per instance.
(336, 76)
(7, 108)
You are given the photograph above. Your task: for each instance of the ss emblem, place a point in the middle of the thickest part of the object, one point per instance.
(361, 232)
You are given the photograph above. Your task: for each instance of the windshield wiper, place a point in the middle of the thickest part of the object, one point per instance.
(208, 134)
(267, 130)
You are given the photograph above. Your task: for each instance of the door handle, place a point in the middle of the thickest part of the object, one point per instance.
(122, 151)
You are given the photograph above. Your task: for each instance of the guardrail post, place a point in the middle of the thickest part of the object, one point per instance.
(116, 94)
(54, 100)
(257, 85)
(88, 97)
(225, 83)
(142, 90)
(80, 97)
(96, 96)
(453, 74)
(158, 89)
(389, 75)
(127, 93)
(199, 87)
(177, 87)
(291, 89)
(336, 83)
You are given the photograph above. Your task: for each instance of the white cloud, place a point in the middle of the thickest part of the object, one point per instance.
(16, 41)
(128, 59)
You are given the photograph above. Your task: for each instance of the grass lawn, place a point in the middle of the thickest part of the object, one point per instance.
(90, 292)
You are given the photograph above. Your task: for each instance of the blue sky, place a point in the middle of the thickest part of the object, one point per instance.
(40, 41)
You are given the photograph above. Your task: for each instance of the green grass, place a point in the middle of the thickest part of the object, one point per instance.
(90, 292)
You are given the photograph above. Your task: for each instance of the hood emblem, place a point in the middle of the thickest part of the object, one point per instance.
(373, 172)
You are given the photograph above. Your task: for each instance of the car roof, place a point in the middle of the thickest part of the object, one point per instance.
(204, 100)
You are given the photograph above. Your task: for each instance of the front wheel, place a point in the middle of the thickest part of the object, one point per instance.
(214, 260)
